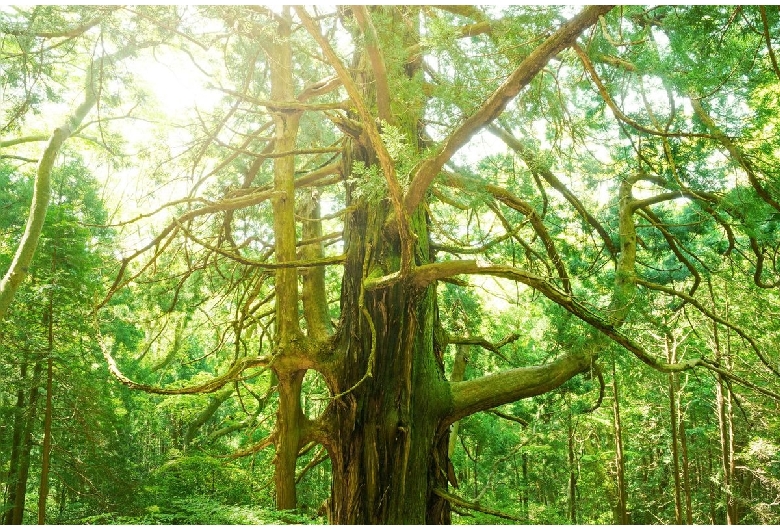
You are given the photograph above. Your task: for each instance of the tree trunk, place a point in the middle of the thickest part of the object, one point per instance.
(685, 467)
(16, 448)
(26, 449)
(388, 451)
(670, 357)
(622, 496)
(386, 428)
(725, 426)
(43, 490)
(572, 466)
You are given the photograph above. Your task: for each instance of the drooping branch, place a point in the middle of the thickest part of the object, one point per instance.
(509, 417)
(564, 37)
(234, 373)
(715, 318)
(517, 204)
(619, 114)
(484, 343)
(255, 448)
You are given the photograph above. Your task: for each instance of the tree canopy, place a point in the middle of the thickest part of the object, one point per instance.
(372, 255)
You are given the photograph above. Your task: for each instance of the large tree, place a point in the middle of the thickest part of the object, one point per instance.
(605, 165)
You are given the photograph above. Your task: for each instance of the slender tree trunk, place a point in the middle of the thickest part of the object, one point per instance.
(288, 333)
(622, 496)
(733, 504)
(670, 357)
(26, 449)
(43, 489)
(524, 494)
(685, 468)
(61, 498)
(721, 399)
(572, 466)
(16, 448)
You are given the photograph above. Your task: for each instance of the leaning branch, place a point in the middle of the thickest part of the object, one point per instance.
(497, 102)
(490, 391)
(42, 190)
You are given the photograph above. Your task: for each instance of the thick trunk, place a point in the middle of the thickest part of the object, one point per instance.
(386, 429)
(289, 421)
(387, 451)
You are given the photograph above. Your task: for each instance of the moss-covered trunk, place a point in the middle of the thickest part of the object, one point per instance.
(386, 453)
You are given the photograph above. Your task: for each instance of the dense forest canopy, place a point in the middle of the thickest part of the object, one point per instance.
(390, 264)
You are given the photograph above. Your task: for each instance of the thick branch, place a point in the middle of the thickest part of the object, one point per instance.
(377, 62)
(490, 391)
(497, 102)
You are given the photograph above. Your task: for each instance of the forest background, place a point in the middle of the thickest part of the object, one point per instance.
(389, 264)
